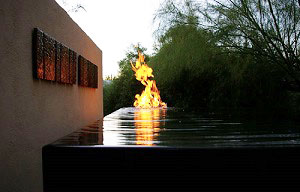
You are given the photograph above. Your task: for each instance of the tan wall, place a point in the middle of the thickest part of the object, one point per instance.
(34, 112)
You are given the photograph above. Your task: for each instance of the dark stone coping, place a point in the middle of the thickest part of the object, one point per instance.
(71, 166)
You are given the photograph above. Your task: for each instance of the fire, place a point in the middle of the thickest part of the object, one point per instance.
(150, 96)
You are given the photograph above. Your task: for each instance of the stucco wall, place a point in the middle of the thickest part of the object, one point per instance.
(34, 112)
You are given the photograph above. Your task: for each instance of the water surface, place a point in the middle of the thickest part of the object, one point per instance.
(176, 127)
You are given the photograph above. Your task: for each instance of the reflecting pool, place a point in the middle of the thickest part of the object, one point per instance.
(176, 127)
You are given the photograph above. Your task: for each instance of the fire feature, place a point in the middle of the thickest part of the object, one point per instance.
(150, 96)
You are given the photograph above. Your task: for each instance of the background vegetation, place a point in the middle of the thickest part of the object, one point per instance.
(238, 56)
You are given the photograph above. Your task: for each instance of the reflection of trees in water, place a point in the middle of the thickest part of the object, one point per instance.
(147, 124)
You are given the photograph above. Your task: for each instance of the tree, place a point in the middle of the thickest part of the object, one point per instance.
(204, 61)
(73, 6)
(174, 13)
(268, 29)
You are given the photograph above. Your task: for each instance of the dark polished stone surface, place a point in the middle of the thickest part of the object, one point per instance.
(170, 149)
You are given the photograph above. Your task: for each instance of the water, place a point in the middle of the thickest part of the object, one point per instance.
(176, 127)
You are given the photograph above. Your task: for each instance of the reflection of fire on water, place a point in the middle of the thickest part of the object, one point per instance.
(147, 118)
(147, 124)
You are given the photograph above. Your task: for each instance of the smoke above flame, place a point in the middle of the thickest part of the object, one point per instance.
(150, 96)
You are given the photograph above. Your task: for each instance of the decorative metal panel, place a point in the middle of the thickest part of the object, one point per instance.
(87, 72)
(52, 60)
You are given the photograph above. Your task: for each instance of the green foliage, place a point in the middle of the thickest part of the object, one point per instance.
(194, 69)
(182, 66)
(267, 29)
(233, 60)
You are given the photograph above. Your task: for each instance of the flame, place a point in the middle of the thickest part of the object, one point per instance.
(148, 124)
(150, 96)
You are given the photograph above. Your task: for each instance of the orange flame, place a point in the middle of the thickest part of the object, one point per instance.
(150, 96)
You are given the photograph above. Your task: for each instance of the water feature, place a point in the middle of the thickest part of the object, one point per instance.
(176, 127)
(174, 149)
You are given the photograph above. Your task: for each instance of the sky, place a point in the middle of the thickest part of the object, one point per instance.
(115, 25)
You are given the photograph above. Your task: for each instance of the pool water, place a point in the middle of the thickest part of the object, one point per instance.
(176, 127)
(179, 128)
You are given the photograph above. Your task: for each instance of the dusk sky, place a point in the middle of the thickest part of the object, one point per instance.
(114, 25)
